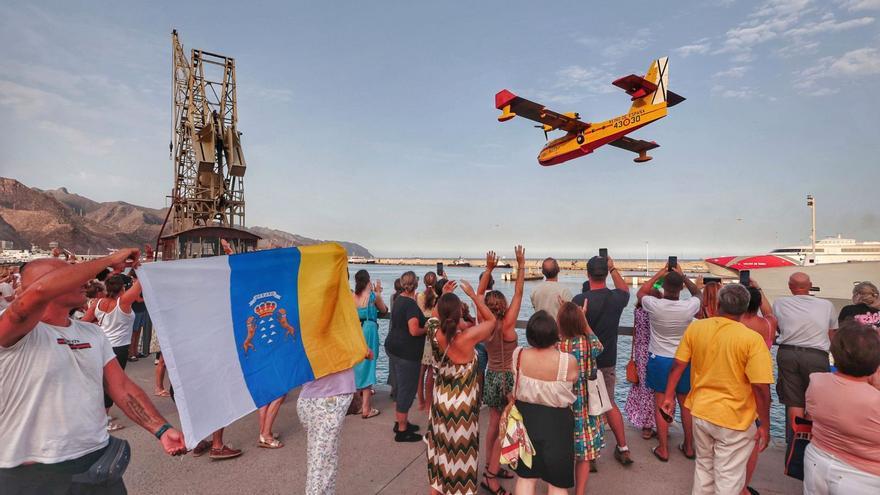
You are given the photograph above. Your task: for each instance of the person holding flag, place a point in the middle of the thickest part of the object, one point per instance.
(50, 363)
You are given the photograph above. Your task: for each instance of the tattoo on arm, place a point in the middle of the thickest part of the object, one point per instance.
(139, 408)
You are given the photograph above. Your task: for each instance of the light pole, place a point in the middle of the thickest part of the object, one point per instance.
(647, 268)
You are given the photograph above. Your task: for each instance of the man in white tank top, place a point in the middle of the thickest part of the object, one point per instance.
(49, 364)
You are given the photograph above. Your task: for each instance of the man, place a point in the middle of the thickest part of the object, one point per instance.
(806, 324)
(51, 374)
(7, 290)
(604, 307)
(669, 317)
(731, 373)
(550, 294)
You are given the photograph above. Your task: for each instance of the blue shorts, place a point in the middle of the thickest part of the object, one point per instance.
(658, 375)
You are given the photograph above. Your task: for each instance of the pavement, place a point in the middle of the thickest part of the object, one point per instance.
(371, 462)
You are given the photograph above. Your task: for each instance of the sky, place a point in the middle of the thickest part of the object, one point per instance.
(374, 122)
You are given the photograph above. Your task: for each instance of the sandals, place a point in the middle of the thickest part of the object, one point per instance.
(485, 483)
(649, 433)
(683, 451)
(372, 414)
(273, 443)
(502, 473)
(654, 451)
(132, 358)
(162, 393)
(111, 426)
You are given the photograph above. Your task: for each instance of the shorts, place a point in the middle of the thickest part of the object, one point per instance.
(609, 375)
(497, 386)
(795, 366)
(657, 375)
(406, 377)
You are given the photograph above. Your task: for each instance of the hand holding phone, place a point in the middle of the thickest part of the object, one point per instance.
(744, 277)
(672, 263)
(603, 252)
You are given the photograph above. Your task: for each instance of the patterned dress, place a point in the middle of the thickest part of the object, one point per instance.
(639, 406)
(589, 431)
(453, 435)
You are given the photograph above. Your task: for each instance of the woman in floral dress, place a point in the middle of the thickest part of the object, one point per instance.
(577, 339)
(639, 406)
(453, 435)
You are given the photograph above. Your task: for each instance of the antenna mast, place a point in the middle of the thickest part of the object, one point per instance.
(811, 202)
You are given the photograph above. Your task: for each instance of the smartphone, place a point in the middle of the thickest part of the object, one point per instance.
(439, 268)
(711, 280)
(673, 262)
(745, 277)
(603, 252)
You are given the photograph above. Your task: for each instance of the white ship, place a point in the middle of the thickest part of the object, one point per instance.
(834, 264)
(360, 260)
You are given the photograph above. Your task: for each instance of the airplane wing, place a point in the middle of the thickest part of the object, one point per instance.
(513, 106)
(634, 145)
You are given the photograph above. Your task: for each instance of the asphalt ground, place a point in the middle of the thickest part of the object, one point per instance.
(370, 462)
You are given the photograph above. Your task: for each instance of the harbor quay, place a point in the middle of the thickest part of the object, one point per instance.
(634, 265)
(370, 462)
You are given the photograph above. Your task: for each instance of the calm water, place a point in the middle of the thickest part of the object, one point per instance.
(388, 273)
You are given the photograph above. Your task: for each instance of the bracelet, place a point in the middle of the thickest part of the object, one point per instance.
(162, 430)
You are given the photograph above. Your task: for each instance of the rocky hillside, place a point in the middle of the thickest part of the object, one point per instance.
(32, 216)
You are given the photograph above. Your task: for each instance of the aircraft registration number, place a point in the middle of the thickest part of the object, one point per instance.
(625, 121)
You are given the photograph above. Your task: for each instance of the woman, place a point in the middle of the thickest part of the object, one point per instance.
(368, 298)
(765, 324)
(427, 300)
(579, 341)
(453, 435)
(639, 406)
(321, 407)
(844, 454)
(709, 304)
(404, 346)
(114, 315)
(499, 377)
(544, 397)
(864, 308)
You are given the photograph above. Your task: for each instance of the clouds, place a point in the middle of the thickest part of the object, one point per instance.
(699, 47)
(815, 80)
(859, 5)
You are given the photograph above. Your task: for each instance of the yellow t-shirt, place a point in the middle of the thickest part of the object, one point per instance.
(726, 358)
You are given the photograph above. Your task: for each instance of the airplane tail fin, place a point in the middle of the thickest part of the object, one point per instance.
(658, 75)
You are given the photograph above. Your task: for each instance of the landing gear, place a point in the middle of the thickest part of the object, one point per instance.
(643, 157)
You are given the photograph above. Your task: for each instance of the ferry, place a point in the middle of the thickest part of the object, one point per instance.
(360, 260)
(834, 264)
(460, 262)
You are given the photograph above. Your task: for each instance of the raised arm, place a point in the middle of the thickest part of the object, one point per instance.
(27, 309)
(645, 289)
(380, 304)
(483, 311)
(691, 286)
(508, 326)
(491, 263)
(767, 310)
(616, 277)
(130, 296)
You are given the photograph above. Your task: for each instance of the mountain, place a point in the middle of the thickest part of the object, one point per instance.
(280, 238)
(82, 225)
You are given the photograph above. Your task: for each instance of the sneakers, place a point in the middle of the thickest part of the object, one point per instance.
(410, 428)
(622, 455)
(407, 436)
(224, 453)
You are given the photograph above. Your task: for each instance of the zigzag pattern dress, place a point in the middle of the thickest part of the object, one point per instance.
(453, 435)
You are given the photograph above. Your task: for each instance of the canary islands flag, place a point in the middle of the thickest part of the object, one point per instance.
(240, 331)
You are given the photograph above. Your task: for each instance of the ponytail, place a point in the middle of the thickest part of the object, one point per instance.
(449, 311)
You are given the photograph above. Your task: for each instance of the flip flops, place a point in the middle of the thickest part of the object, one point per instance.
(683, 451)
(372, 414)
(658, 456)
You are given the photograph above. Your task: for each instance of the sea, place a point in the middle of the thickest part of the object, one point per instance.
(389, 273)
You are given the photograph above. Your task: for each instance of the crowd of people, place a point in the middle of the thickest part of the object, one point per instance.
(700, 350)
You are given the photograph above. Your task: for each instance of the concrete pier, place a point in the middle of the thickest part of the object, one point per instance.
(372, 463)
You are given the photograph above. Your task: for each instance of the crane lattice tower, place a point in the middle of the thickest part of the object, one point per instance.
(209, 165)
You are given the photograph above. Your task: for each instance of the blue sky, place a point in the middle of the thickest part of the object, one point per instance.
(375, 121)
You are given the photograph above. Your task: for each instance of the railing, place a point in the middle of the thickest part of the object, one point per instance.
(522, 325)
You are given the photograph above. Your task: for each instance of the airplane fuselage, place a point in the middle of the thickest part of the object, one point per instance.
(574, 145)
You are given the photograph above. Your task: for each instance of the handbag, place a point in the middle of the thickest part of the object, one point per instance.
(110, 466)
(598, 402)
(794, 458)
(632, 372)
(516, 445)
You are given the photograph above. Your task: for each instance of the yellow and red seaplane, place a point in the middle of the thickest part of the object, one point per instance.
(650, 101)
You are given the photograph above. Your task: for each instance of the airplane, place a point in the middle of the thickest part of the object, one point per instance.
(650, 100)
